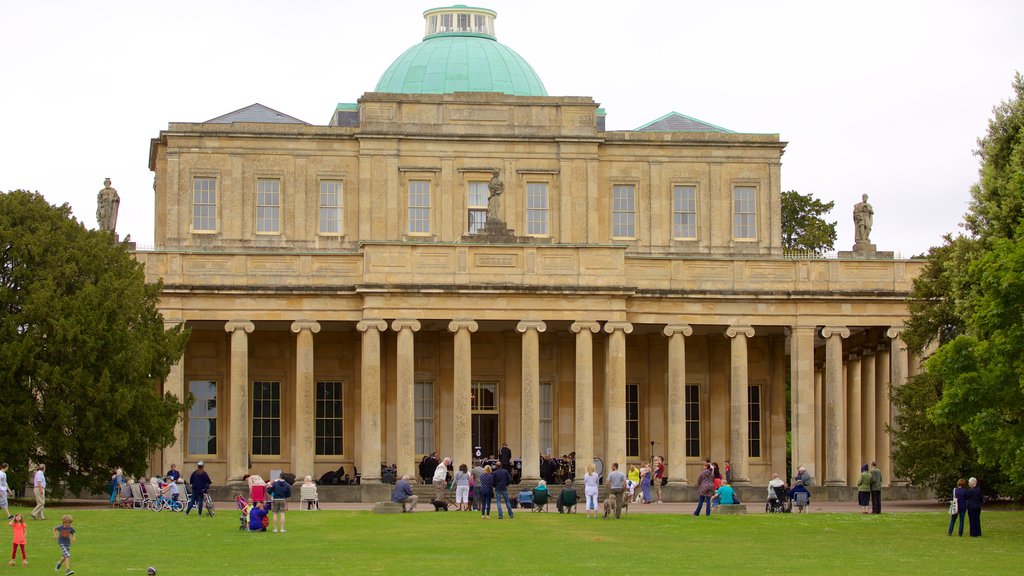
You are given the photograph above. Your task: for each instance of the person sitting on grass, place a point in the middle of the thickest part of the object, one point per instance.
(257, 517)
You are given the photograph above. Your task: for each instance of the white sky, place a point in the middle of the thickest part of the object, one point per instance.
(885, 98)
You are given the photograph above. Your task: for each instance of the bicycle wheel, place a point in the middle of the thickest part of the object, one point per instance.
(175, 506)
(156, 505)
(209, 506)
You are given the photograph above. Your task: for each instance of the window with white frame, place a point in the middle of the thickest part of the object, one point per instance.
(744, 213)
(330, 419)
(754, 421)
(331, 207)
(537, 208)
(419, 207)
(623, 211)
(684, 212)
(204, 204)
(424, 416)
(477, 206)
(546, 417)
(268, 206)
(202, 417)
(633, 420)
(692, 420)
(266, 418)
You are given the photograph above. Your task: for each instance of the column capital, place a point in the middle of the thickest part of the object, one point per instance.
(405, 324)
(894, 332)
(463, 324)
(830, 331)
(525, 325)
(613, 325)
(867, 351)
(581, 325)
(311, 325)
(851, 356)
(374, 323)
(734, 331)
(673, 329)
(232, 325)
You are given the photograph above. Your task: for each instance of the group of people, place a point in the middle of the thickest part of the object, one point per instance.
(63, 533)
(869, 489)
(966, 500)
(265, 495)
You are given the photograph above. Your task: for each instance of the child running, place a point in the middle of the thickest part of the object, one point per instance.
(18, 524)
(65, 535)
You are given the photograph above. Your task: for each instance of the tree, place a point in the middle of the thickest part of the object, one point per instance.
(83, 350)
(970, 302)
(803, 227)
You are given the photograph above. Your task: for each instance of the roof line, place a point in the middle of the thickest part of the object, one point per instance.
(674, 113)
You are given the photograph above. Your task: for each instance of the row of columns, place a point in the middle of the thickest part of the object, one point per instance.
(847, 422)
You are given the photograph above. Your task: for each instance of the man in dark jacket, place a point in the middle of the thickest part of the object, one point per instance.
(200, 482)
(427, 467)
(505, 457)
(501, 481)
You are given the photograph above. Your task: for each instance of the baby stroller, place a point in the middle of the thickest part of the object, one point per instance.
(777, 501)
(243, 518)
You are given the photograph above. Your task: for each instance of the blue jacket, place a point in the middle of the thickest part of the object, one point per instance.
(502, 479)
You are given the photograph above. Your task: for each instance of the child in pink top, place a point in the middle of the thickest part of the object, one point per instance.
(18, 524)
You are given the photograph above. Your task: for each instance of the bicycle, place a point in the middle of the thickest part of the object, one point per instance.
(164, 503)
(209, 504)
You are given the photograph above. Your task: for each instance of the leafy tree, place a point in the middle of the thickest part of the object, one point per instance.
(83, 350)
(970, 301)
(803, 227)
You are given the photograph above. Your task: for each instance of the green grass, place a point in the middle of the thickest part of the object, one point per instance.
(113, 542)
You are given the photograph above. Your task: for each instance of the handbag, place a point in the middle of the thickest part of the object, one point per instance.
(953, 508)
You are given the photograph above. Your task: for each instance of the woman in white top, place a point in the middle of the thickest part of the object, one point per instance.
(591, 483)
(461, 482)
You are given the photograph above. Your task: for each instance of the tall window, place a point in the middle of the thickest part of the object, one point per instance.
(204, 204)
(692, 420)
(330, 207)
(419, 207)
(477, 204)
(330, 404)
(684, 212)
(754, 421)
(744, 212)
(623, 211)
(537, 209)
(546, 411)
(266, 418)
(632, 420)
(202, 417)
(424, 415)
(268, 206)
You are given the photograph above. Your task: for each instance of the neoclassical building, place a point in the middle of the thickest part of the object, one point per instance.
(460, 259)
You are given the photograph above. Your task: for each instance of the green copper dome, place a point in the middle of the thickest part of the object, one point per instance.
(460, 54)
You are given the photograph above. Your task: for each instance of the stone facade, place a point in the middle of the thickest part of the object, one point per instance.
(591, 341)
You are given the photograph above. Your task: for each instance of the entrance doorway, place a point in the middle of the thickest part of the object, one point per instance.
(484, 405)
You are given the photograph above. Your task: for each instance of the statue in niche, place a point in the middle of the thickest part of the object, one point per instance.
(863, 218)
(495, 187)
(107, 203)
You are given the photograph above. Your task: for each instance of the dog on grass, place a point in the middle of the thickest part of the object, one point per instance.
(609, 504)
(439, 505)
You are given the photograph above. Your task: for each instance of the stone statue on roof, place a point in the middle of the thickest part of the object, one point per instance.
(107, 203)
(495, 187)
(863, 218)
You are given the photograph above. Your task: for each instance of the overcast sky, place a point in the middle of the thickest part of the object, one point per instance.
(885, 98)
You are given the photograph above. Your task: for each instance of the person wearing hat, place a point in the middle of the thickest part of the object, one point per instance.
(200, 482)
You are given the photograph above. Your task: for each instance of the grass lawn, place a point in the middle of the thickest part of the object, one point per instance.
(113, 542)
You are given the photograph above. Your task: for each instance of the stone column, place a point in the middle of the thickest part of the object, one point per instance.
(739, 435)
(238, 412)
(835, 411)
(585, 331)
(370, 405)
(899, 360)
(405, 396)
(676, 450)
(615, 395)
(854, 456)
(819, 432)
(462, 451)
(531, 329)
(882, 412)
(175, 384)
(802, 399)
(304, 445)
(867, 404)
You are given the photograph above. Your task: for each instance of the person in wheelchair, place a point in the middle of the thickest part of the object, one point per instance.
(800, 496)
(568, 499)
(777, 497)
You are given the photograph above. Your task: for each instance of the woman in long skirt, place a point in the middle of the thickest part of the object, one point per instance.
(973, 499)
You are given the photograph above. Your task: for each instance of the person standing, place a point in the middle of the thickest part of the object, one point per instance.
(486, 488)
(958, 508)
(616, 484)
(591, 486)
(461, 482)
(864, 490)
(973, 500)
(116, 480)
(802, 475)
(876, 488)
(281, 491)
(441, 479)
(505, 457)
(659, 475)
(476, 473)
(728, 472)
(501, 481)
(705, 489)
(39, 489)
(5, 490)
(17, 524)
(645, 483)
(65, 535)
(200, 482)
